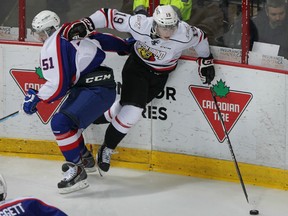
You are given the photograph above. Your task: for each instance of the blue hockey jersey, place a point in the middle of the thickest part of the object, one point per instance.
(63, 62)
(28, 206)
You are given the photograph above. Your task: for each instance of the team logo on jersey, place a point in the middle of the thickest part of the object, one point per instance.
(149, 53)
(146, 54)
(26, 79)
(231, 103)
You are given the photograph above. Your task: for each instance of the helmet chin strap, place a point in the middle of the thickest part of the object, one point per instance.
(154, 34)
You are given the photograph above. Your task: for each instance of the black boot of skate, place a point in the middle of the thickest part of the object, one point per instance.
(104, 157)
(89, 163)
(75, 178)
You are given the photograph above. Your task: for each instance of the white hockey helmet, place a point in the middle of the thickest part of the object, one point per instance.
(166, 16)
(44, 24)
(3, 188)
(165, 21)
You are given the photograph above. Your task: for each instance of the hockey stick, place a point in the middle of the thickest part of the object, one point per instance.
(230, 145)
(9, 116)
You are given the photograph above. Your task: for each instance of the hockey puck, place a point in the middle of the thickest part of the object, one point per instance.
(254, 212)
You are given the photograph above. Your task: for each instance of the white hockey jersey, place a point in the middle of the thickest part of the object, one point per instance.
(159, 54)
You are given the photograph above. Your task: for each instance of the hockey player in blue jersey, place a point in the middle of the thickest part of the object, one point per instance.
(73, 68)
(24, 206)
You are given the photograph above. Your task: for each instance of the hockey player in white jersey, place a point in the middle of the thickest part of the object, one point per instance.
(73, 68)
(160, 41)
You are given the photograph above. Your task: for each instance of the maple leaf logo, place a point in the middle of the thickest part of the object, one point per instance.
(39, 72)
(221, 89)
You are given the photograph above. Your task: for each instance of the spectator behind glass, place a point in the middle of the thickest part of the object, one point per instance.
(272, 25)
(182, 7)
(61, 7)
(208, 16)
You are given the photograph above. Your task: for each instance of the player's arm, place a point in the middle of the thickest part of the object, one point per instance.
(56, 85)
(30, 101)
(103, 18)
(206, 69)
(47, 94)
(33, 97)
(79, 29)
(110, 42)
(205, 60)
(111, 18)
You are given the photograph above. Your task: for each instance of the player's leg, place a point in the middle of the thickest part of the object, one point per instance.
(69, 139)
(109, 114)
(128, 116)
(134, 93)
(86, 104)
(156, 86)
(79, 110)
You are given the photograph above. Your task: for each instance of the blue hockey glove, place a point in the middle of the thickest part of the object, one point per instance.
(30, 101)
(79, 29)
(130, 43)
(206, 69)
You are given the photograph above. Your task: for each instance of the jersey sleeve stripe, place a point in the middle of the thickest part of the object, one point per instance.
(111, 18)
(104, 11)
(203, 36)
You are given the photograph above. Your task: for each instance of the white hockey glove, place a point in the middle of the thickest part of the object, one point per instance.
(206, 69)
(79, 29)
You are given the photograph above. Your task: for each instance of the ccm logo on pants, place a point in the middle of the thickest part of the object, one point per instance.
(98, 78)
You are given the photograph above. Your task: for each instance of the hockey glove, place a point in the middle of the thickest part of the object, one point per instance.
(206, 69)
(130, 43)
(141, 11)
(79, 29)
(30, 101)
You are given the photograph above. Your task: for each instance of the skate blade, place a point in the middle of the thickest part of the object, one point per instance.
(101, 173)
(90, 169)
(78, 186)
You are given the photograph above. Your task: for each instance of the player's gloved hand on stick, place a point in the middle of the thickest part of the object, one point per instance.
(206, 69)
(30, 101)
(79, 29)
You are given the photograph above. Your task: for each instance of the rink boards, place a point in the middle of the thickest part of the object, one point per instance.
(180, 131)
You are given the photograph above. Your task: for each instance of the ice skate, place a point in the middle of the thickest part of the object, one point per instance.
(103, 158)
(89, 163)
(75, 178)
